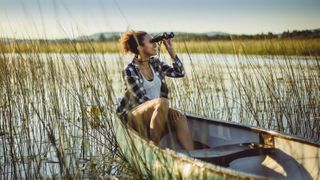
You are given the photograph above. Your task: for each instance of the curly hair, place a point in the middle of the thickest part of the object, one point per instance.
(129, 41)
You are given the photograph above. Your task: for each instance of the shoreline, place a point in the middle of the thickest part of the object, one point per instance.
(287, 47)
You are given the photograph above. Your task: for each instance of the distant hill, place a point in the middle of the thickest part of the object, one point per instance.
(99, 36)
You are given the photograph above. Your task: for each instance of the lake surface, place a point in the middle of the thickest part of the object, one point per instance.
(59, 94)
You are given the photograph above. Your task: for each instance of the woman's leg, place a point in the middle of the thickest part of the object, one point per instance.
(152, 114)
(180, 124)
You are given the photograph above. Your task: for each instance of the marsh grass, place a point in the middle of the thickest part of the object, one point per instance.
(54, 117)
(56, 112)
(301, 47)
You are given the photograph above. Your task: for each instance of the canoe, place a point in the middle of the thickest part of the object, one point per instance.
(224, 150)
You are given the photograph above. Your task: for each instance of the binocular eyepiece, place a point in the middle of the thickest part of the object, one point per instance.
(165, 35)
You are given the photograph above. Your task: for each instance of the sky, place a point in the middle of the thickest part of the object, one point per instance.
(71, 18)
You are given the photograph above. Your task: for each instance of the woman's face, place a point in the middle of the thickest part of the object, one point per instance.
(149, 48)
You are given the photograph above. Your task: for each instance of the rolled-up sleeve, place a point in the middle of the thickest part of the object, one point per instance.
(176, 70)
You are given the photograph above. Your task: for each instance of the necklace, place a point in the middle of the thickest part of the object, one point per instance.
(142, 61)
(136, 57)
(146, 71)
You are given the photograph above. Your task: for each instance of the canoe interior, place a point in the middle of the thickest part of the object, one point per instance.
(291, 158)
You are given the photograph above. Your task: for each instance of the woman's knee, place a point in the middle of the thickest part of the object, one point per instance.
(177, 117)
(162, 104)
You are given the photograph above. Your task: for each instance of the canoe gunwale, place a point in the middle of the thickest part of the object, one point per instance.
(272, 133)
(209, 167)
(223, 171)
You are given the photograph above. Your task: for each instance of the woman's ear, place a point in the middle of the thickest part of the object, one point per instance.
(140, 49)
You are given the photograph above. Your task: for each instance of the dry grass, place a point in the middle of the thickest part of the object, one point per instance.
(300, 47)
(55, 112)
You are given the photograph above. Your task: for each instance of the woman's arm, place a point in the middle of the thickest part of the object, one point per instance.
(134, 85)
(176, 70)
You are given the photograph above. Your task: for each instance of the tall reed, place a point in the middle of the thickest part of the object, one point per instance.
(56, 108)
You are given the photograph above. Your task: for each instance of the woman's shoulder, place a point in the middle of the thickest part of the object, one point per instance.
(130, 70)
(131, 67)
(127, 70)
(128, 67)
(155, 60)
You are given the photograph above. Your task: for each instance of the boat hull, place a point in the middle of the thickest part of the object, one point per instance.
(166, 163)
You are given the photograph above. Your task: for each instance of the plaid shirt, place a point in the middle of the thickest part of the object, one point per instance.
(135, 93)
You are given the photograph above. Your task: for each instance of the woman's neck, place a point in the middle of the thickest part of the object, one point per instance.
(142, 61)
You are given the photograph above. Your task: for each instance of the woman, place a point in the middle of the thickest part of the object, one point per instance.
(145, 106)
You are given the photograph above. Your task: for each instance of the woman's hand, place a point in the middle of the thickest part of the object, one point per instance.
(169, 46)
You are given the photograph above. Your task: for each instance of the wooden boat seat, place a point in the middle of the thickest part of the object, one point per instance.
(223, 155)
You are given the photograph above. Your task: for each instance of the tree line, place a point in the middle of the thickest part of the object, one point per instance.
(295, 34)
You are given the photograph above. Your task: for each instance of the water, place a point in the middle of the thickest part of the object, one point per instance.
(58, 95)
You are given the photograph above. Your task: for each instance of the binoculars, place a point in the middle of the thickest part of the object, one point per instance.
(165, 35)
